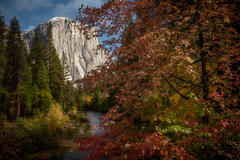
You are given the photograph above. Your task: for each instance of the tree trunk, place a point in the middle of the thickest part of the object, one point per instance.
(18, 106)
(203, 59)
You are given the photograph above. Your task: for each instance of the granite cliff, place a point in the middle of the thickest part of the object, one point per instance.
(81, 53)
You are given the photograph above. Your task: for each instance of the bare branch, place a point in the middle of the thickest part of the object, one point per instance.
(174, 88)
(185, 81)
(196, 61)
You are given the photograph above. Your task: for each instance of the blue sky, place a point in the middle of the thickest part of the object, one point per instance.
(30, 13)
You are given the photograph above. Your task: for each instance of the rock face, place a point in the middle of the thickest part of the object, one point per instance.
(81, 53)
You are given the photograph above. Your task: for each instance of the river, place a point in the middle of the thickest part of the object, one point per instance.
(94, 120)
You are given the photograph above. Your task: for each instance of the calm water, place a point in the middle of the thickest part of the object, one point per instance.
(94, 120)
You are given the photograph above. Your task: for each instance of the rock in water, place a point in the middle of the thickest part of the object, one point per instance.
(81, 53)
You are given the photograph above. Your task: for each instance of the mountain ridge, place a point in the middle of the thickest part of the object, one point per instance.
(81, 53)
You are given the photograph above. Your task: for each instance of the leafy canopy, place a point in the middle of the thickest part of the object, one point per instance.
(176, 72)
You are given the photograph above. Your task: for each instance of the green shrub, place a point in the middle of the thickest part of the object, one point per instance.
(56, 118)
(76, 115)
(39, 137)
(34, 135)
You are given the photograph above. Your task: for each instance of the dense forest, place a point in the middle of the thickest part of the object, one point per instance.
(170, 88)
(37, 100)
(29, 82)
(174, 70)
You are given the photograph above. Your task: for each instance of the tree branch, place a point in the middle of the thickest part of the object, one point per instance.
(185, 81)
(174, 88)
(196, 61)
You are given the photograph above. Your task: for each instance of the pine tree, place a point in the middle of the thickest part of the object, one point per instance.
(66, 68)
(42, 83)
(68, 98)
(28, 89)
(39, 96)
(16, 54)
(55, 70)
(3, 59)
(36, 55)
(42, 77)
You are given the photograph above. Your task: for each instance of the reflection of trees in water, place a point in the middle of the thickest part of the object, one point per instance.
(94, 120)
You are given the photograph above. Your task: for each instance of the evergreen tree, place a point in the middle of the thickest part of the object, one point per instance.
(66, 68)
(36, 55)
(3, 59)
(55, 70)
(43, 87)
(68, 95)
(28, 89)
(69, 98)
(42, 77)
(16, 54)
(39, 96)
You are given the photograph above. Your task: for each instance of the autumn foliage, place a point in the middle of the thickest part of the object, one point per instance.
(175, 68)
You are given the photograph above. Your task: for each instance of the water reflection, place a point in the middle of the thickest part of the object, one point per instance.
(94, 121)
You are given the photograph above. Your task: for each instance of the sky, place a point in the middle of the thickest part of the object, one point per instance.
(30, 13)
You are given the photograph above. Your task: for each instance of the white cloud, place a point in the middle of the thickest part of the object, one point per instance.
(71, 8)
(21, 5)
(29, 28)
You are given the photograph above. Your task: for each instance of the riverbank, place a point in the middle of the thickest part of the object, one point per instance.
(43, 136)
(94, 119)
